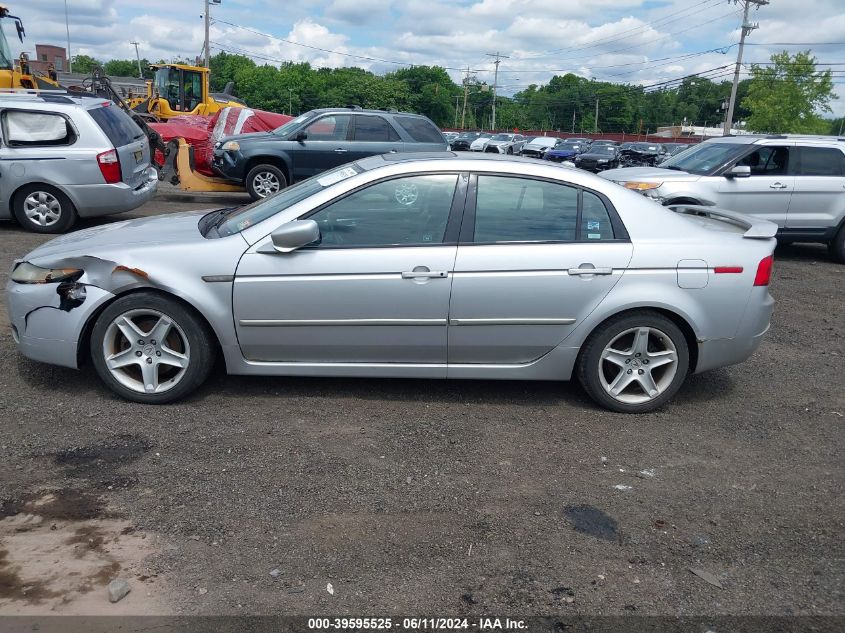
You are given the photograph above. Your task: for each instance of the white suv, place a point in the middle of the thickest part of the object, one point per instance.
(798, 182)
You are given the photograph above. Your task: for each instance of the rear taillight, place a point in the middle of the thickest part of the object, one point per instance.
(764, 271)
(110, 166)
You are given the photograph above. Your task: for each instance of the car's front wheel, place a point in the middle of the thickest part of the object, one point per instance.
(151, 349)
(634, 363)
(43, 209)
(265, 180)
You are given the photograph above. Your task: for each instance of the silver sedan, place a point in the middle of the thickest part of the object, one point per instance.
(423, 266)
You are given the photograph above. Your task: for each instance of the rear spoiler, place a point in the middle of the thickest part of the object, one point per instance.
(755, 229)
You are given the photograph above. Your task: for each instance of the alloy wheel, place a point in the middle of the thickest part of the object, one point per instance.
(146, 351)
(638, 365)
(42, 208)
(265, 183)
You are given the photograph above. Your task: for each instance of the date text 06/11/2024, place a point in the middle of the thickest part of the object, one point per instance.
(417, 624)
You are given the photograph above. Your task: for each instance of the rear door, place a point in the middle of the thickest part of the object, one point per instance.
(130, 142)
(767, 192)
(534, 259)
(818, 200)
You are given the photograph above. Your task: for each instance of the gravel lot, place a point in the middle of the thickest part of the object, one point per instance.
(438, 498)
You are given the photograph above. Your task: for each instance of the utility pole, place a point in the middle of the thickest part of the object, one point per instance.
(466, 93)
(67, 29)
(495, 81)
(206, 48)
(573, 120)
(290, 101)
(457, 99)
(747, 27)
(138, 57)
(596, 124)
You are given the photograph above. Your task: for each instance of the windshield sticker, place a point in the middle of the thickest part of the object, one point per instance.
(593, 226)
(594, 236)
(337, 176)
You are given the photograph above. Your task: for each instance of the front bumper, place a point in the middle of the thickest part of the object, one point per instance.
(105, 199)
(46, 328)
(229, 165)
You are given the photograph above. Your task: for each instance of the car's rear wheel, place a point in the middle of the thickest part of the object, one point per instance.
(43, 209)
(837, 246)
(151, 349)
(634, 363)
(265, 180)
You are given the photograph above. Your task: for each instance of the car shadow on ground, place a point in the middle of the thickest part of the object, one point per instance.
(803, 252)
(85, 382)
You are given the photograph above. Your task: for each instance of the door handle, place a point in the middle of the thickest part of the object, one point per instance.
(413, 274)
(340, 150)
(393, 151)
(590, 271)
(777, 185)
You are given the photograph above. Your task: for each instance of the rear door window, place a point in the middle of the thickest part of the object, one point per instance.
(420, 129)
(820, 161)
(117, 125)
(22, 128)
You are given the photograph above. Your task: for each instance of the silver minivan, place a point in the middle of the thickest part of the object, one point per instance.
(63, 157)
(797, 182)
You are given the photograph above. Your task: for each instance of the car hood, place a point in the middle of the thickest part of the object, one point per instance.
(655, 174)
(160, 229)
(252, 136)
(497, 143)
(536, 146)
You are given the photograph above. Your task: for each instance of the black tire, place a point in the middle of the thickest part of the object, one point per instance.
(54, 201)
(269, 172)
(590, 361)
(837, 246)
(200, 347)
(510, 150)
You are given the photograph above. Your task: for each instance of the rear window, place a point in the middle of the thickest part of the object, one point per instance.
(117, 125)
(421, 130)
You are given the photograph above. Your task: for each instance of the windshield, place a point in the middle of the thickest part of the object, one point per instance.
(502, 137)
(251, 214)
(645, 147)
(294, 123)
(5, 55)
(603, 149)
(705, 158)
(569, 145)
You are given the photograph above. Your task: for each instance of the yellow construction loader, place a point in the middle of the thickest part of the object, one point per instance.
(181, 89)
(16, 73)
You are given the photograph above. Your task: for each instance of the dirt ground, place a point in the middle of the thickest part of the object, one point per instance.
(362, 497)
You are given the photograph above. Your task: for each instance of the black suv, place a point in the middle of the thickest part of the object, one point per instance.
(266, 162)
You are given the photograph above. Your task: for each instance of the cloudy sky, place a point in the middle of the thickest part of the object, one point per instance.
(636, 41)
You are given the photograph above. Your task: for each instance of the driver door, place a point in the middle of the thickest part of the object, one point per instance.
(375, 289)
(326, 146)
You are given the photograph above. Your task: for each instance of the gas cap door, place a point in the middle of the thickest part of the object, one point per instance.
(692, 273)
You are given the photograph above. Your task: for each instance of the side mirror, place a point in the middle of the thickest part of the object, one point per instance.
(296, 234)
(738, 171)
(301, 136)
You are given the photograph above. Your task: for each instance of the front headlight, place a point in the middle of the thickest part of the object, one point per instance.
(231, 146)
(642, 186)
(602, 160)
(26, 273)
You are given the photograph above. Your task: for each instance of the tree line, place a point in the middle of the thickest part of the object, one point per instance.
(788, 94)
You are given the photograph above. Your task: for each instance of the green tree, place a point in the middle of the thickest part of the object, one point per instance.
(83, 64)
(122, 68)
(788, 95)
